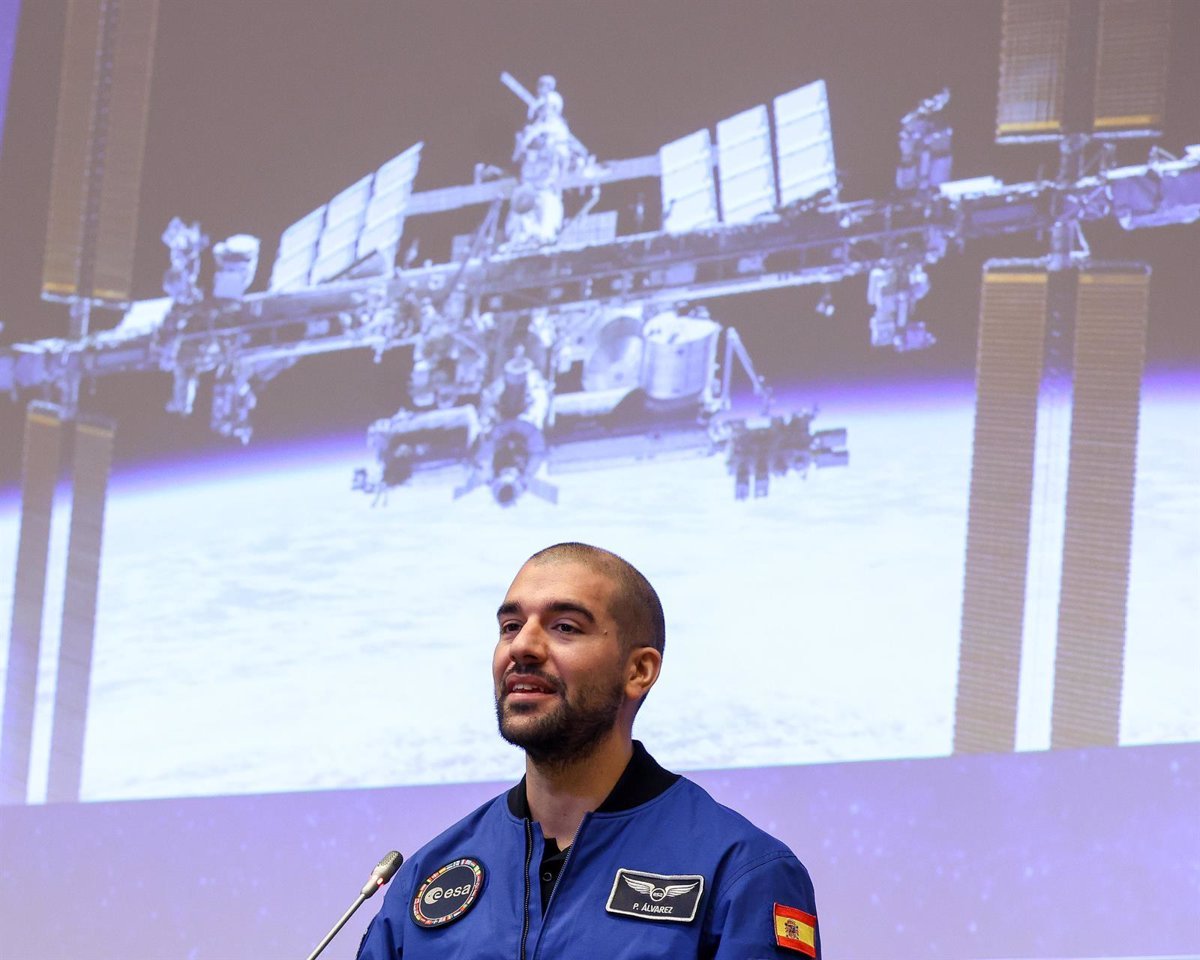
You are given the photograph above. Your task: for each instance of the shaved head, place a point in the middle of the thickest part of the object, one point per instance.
(636, 606)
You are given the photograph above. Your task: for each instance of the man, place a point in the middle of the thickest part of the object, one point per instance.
(598, 852)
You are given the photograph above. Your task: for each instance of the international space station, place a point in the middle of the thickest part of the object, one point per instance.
(549, 341)
(545, 341)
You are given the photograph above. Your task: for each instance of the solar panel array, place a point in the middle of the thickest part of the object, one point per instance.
(1031, 93)
(366, 217)
(1041, 96)
(689, 195)
(753, 178)
(744, 166)
(100, 134)
(804, 144)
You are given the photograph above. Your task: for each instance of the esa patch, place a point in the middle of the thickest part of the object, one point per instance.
(448, 893)
(795, 930)
(652, 896)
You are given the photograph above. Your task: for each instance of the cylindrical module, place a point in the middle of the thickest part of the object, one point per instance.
(680, 356)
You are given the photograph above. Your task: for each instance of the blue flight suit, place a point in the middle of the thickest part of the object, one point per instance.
(711, 880)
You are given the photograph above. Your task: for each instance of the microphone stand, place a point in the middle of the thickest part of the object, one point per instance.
(379, 876)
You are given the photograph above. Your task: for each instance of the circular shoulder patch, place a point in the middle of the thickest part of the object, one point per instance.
(448, 894)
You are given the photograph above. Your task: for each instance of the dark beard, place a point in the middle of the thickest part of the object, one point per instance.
(571, 731)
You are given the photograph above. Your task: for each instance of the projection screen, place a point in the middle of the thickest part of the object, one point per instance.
(920, 499)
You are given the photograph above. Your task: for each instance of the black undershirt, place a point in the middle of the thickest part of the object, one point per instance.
(552, 864)
(642, 781)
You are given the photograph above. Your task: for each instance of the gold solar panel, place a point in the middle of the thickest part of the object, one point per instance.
(1131, 67)
(39, 474)
(128, 113)
(1033, 57)
(1012, 327)
(1110, 338)
(92, 460)
(100, 136)
(72, 148)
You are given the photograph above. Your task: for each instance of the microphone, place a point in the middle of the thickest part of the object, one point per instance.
(383, 872)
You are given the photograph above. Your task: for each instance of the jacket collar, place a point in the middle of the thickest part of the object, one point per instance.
(642, 781)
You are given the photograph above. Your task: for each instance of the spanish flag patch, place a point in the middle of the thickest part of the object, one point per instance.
(796, 930)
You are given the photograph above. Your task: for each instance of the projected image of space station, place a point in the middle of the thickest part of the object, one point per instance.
(613, 350)
(876, 352)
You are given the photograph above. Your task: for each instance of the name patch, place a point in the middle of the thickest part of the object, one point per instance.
(652, 896)
(448, 893)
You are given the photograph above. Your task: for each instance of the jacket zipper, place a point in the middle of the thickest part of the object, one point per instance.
(566, 861)
(528, 861)
(557, 881)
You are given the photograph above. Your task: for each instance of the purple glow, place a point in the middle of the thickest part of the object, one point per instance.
(1072, 854)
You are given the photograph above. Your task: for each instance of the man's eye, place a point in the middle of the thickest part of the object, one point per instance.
(566, 627)
(510, 627)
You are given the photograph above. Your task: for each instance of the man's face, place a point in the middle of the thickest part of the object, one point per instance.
(559, 669)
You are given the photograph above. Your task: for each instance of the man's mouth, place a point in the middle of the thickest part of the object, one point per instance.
(521, 688)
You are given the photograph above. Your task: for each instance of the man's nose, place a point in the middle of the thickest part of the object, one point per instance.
(529, 645)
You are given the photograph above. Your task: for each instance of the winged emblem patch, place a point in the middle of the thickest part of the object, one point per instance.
(647, 888)
(654, 896)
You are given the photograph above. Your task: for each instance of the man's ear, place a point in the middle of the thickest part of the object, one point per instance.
(642, 669)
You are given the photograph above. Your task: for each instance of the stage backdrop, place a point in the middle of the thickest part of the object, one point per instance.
(291, 678)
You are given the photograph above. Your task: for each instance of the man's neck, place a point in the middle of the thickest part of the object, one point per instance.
(559, 796)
